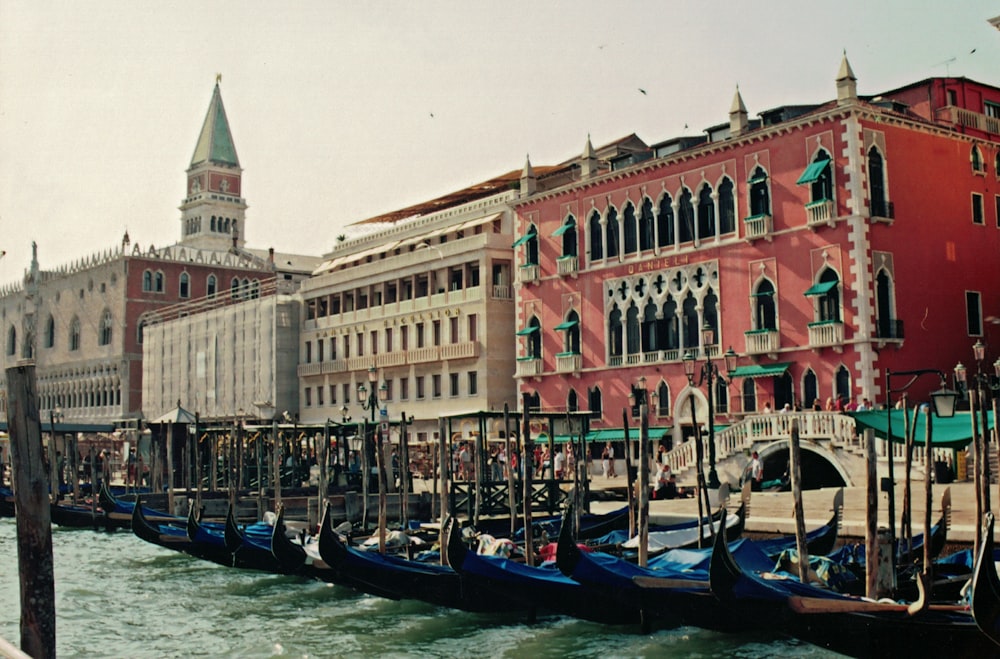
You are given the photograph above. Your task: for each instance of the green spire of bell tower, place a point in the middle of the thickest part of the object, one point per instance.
(213, 212)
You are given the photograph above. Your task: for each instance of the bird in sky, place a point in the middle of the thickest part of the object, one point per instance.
(642, 91)
(432, 115)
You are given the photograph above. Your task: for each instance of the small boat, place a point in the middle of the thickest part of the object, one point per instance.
(544, 587)
(204, 545)
(399, 578)
(250, 549)
(986, 587)
(82, 516)
(845, 624)
(119, 511)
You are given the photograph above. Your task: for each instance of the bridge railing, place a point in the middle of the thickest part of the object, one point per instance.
(839, 429)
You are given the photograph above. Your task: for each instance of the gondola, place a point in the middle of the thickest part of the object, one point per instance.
(819, 542)
(82, 516)
(205, 545)
(842, 623)
(119, 511)
(665, 593)
(399, 578)
(289, 556)
(533, 587)
(986, 587)
(251, 550)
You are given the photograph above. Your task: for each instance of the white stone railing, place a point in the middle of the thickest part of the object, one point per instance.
(819, 212)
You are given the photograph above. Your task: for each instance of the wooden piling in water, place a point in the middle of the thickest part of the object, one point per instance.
(34, 523)
(800, 522)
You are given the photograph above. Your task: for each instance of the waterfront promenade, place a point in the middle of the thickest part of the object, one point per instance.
(772, 512)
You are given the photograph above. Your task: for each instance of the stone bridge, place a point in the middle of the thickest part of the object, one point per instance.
(832, 451)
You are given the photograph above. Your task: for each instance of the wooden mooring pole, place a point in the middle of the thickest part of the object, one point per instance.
(34, 523)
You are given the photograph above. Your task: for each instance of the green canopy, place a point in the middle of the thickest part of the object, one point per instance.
(618, 434)
(955, 432)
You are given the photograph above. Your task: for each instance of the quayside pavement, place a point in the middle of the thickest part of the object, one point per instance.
(773, 512)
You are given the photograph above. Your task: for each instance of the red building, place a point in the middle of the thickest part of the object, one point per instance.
(824, 244)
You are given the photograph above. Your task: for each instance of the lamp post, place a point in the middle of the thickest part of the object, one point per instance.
(709, 371)
(345, 418)
(944, 407)
(369, 400)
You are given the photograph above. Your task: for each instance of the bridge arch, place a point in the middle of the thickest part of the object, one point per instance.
(819, 466)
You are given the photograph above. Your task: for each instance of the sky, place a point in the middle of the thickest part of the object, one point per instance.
(343, 110)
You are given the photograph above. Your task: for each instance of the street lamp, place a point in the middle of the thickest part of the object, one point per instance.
(709, 372)
(369, 400)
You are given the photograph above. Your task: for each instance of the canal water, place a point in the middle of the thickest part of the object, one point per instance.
(118, 596)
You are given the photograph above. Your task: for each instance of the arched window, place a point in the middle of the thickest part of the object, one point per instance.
(147, 281)
(213, 224)
(649, 327)
(721, 397)
(211, 284)
(572, 401)
(663, 400)
(710, 313)
(668, 327)
(596, 237)
(810, 389)
(104, 332)
(727, 207)
(685, 212)
(828, 303)
(843, 385)
(534, 402)
(254, 289)
(633, 343)
(976, 156)
(764, 314)
(884, 320)
(74, 333)
(706, 213)
(783, 391)
(234, 288)
(530, 239)
(158, 281)
(692, 328)
(534, 339)
(245, 288)
(184, 285)
(749, 395)
(612, 233)
(571, 342)
(615, 332)
(760, 193)
(631, 229)
(595, 402)
(646, 228)
(12, 341)
(876, 184)
(665, 222)
(569, 241)
(822, 186)
(50, 332)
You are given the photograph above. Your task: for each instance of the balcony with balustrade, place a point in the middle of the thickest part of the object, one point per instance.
(819, 213)
(758, 226)
(528, 367)
(762, 341)
(568, 362)
(826, 333)
(567, 265)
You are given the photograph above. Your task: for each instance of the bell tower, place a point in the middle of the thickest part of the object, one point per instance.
(213, 211)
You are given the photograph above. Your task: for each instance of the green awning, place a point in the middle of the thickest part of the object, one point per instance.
(563, 229)
(530, 329)
(618, 434)
(567, 324)
(813, 172)
(525, 238)
(821, 288)
(955, 432)
(760, 370)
